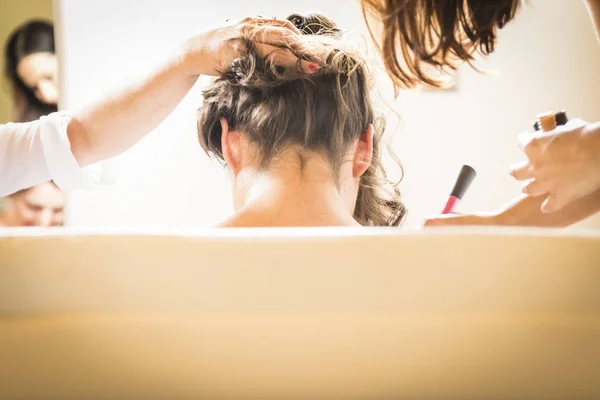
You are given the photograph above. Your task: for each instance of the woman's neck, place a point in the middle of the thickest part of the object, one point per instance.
(294, 191)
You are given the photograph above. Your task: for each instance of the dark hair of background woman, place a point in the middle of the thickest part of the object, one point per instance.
(35, 36)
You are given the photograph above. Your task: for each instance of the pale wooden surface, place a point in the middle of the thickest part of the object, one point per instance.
(446, 315)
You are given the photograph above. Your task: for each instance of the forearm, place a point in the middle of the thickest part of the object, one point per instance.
(112, 126)
(593, 7)
(526, 211)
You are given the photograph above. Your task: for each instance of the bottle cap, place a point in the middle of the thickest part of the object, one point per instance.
(561, 119)
(547, 121)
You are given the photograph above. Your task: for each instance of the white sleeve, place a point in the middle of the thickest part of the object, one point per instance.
(39, 151)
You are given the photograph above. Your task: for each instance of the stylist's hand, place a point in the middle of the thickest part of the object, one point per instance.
(563, 165)
(463, 219)
(213, 51)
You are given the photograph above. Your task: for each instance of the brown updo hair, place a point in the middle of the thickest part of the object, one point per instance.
(325, 112)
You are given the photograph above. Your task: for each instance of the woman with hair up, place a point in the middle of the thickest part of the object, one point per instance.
(562, 171)
(303, 150)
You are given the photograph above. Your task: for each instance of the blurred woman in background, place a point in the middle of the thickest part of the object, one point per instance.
(41, 205)
(31, 68)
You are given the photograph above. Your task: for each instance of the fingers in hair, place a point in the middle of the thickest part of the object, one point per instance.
(275, 22)
(285, 58)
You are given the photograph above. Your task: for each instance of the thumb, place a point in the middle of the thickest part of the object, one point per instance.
(551, 204)
(447, 220)
(459, 220)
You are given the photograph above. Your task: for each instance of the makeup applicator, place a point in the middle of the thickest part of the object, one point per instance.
(464, 180)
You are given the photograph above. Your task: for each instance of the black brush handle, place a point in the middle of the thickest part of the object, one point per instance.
(464, 180)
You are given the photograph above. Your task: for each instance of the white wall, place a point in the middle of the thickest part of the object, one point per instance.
(547, 59)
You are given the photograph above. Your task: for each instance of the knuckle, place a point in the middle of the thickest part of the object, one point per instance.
(289, 25)
(533, 142)
(532, 168)
(531, 150)
(236, 46)
(241, 27)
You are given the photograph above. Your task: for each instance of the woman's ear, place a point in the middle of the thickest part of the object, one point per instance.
(364, 152)
(231, 147)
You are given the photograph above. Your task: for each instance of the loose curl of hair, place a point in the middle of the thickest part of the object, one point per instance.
(325, 112)
(420, 35)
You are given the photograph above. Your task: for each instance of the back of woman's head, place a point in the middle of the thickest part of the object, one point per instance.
(32, 37)
(420, 34)
(325, 112)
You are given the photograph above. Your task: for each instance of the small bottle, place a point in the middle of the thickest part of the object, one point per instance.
(547, 121)
(561, 119)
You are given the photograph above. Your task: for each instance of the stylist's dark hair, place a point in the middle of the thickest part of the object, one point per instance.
(420, 34)
(35, 36)
(325, 112)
